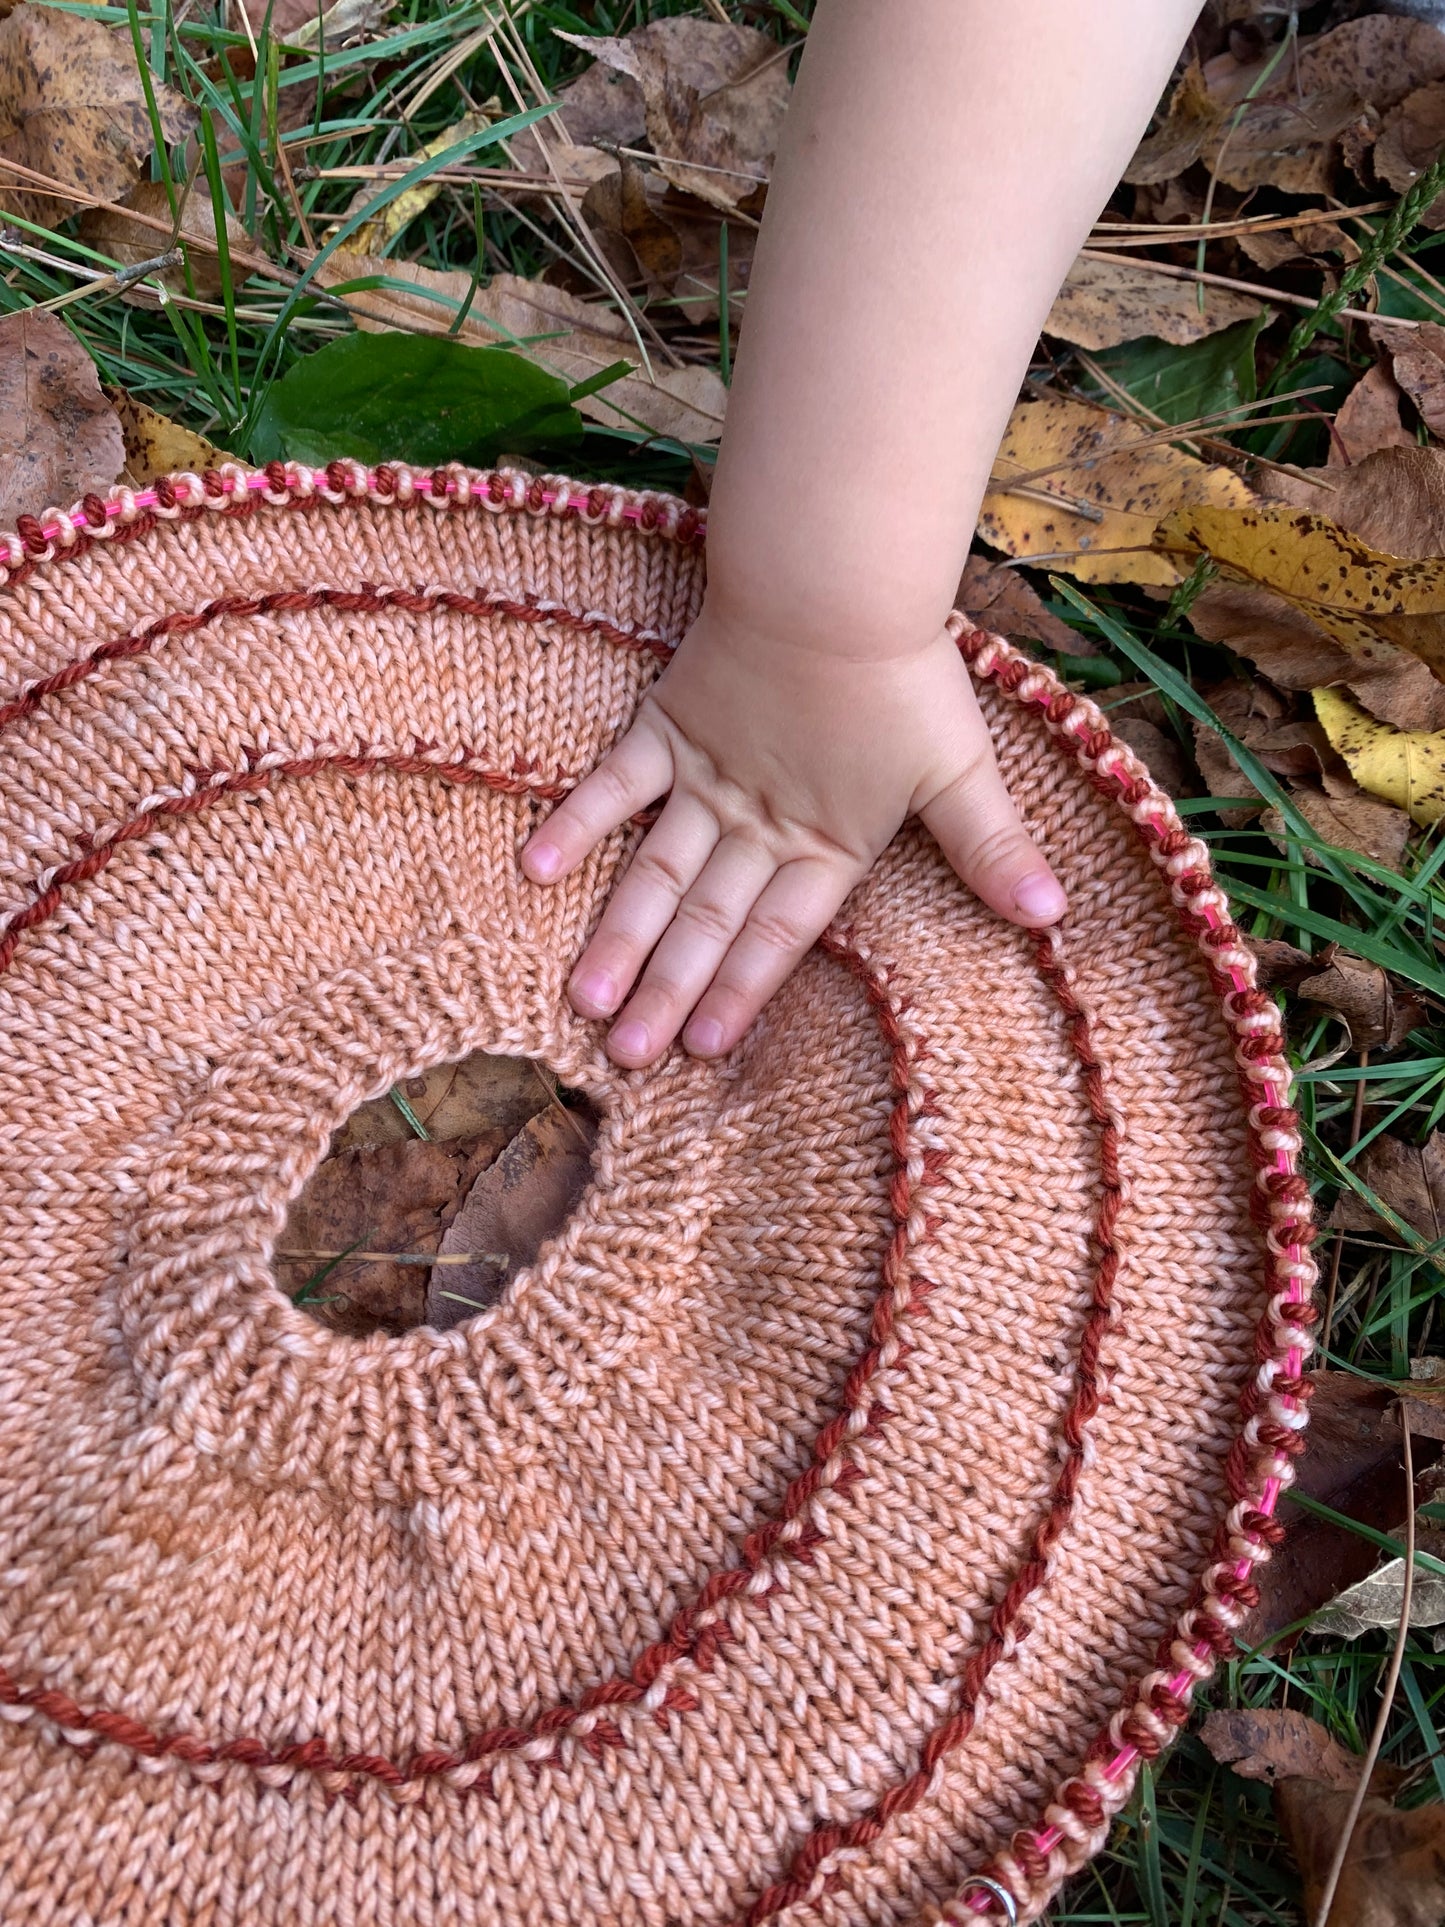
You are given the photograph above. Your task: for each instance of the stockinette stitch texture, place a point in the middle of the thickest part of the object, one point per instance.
(851, 1494)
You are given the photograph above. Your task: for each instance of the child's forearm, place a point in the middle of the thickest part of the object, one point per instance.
(941, 165)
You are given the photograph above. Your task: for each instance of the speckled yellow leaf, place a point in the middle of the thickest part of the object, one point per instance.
(1072, 482)
(155, 445)
(1351, 589)
(1308, 559)
(1404, 766)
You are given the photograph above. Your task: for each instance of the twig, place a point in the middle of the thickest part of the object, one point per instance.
(64, 191)
(1143, 234)
(109, 283)
(534, 183)
(1183, 432)
(1086, 511)
(554, 1096)
(1256, 288)
(1387, 1698)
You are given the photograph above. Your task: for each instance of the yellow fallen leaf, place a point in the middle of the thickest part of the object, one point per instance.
(1356, 592)
(573, 338)
(155, 445)
(1403, 766)
(373, 235)
(1309, 559)
(1084, 487)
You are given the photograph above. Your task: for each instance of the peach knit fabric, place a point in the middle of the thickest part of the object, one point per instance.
(842, 1502)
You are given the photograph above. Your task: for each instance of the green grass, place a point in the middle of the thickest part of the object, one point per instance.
(1198, 1845)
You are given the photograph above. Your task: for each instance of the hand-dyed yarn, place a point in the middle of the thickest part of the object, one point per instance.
(826, 1524)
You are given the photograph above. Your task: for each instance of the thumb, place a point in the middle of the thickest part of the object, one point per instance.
(978, 829)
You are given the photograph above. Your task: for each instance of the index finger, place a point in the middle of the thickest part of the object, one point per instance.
(628, 778)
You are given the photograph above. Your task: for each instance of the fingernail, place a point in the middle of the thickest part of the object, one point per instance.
(597, 990)
(542, 860)
(630, 1038)
(1040, 896)
(704, 1036)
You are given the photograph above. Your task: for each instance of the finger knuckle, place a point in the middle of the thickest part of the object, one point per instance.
(976, 772)
(777, 931)
(705, 919)
(614, 787)
(999, 848)
(657, 866)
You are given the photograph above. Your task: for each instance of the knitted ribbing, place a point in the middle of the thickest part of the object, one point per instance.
(847, 1497)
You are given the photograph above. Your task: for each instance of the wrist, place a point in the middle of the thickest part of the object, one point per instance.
(807, 626)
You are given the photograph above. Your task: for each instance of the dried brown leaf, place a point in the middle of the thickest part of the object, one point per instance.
(713, 99)
(1278, 962)
(1343, 815)
(1351, 585)
(583, 338)
(1297, 749)
(386, 1197)
(699, 285)
(1223, 776)
(1273, 248)
(1355, 1464)
(481, 1095)
(1289, 134)
(1001, 600)
(72, 106)
(1280, 142)
(512, 1209)
(604, 106)
(1104, 303)
(1277, 636)
(1379, 59)
(1394, 1871)
(1379, 1012)
(130, 242)
(1423, 1398)
(59, 437)
(296, 23)
(1409, 1178)
(1410, 141)
(626, 207)
(1374, 1604)
(1369, 419)
(1417, 356)
(1288, 645)
(1277, 1743)
(1193, 118)
(1158, 749)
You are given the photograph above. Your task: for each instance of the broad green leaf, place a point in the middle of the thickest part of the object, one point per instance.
(414, 398)
(1405, 296)
(1305, 443)
(1185, 384)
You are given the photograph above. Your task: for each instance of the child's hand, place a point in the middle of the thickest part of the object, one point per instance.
(787, 772)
